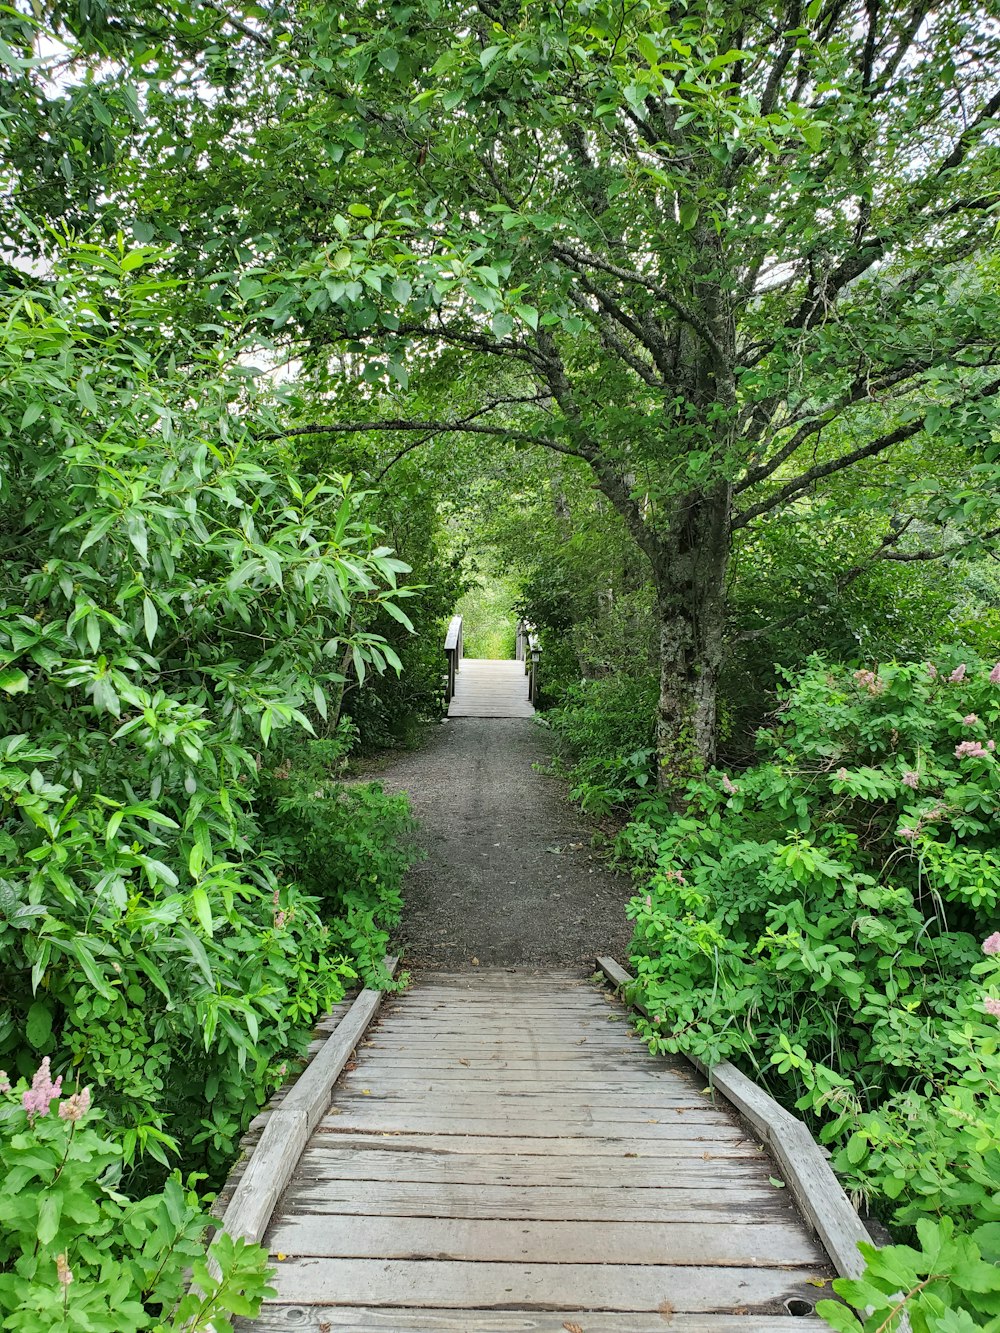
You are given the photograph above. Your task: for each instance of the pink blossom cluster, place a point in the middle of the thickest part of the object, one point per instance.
(991, 946)
(37, 1099)
(908, 833)
(842, 775)
(76, 1107)
(958, 675)
(911, 779)
(869, 681)
(969, 720)
(995, 675)
(63, 1271)
(932, 670)
(279, 920)
(728, 786)
(4, 1081)
(674, 877)
(973, 749)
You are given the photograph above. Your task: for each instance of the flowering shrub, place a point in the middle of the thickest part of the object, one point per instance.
(75, 1254)
(828, 920)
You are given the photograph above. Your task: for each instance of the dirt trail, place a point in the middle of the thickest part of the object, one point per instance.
(510, 877)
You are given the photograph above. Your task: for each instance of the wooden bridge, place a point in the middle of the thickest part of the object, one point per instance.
(495, 1151)
(485, 687)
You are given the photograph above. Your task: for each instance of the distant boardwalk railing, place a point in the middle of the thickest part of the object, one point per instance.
(453, 648)
(528, 651)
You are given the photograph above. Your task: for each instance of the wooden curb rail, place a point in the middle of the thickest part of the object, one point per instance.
(806, 1171)
(288, 1128)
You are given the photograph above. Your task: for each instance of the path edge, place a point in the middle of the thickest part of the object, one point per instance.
(818, 1193)
(277, 1151)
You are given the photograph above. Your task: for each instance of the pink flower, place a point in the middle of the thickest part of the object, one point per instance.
(674, 877)
(4, 1081)
(42, 1091)
(841, 774)
(969, 720)
(932, 670)
(911, 779)
(279, 920)
(970, 750)
(76, 1107)
(728, 786)
(958, 674)
(63, 1271)
(991, 745)
(649, 901)
(992, 943)
(908, 833)
(992, 1006)
(995, 675)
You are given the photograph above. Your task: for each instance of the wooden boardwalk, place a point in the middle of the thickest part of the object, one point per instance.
(487, 688)
(503, 1154)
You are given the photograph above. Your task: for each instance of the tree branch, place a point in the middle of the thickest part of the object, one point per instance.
(802, 483)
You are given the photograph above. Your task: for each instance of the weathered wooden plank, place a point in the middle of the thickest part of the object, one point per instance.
(327, 1319)
(329, 1161)
(558, 1203)
(374, 1118)
(286, 1132)
(528, 1082)
(582, 1110)
(705, 1141)
(765, 1244)
(806, 1171)
(548, 1286)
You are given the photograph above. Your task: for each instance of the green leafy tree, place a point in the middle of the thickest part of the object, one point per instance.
(724, 256)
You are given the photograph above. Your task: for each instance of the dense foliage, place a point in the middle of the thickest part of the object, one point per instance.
(175, 594)
(828, 918)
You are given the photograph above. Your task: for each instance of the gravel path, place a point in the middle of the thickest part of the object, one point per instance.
(510, 878)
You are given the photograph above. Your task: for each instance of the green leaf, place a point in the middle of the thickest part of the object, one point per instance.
(529, 314)
(13, 680)
(150, 619)
(49, 1215)
(689, 215)
(86, 395)
(38, 1028)
(202, 910)
(487, 56)
(399, 615)
(647, 48)
(389, 58)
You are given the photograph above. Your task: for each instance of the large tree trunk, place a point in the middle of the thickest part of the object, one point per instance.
(690, 578)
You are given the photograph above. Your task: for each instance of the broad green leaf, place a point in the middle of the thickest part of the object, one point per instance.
(13, 680)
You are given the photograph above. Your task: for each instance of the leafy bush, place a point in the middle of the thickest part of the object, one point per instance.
(76, 1254)
(347, 846)
(173, 597)
(821, 919)
(607, 726)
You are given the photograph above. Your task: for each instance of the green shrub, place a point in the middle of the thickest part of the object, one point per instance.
(607, 727)
(823, 918)
(348, 846)
(174, 598)
(75, 1254)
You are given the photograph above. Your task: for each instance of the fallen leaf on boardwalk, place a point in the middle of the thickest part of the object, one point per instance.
(778, 1184)
(631, 1154)
(366, 1092)
(475, 962)
(666, 1311)
(464, 1062)
(279, 1257)
(572, 1328)
(817, 1281)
